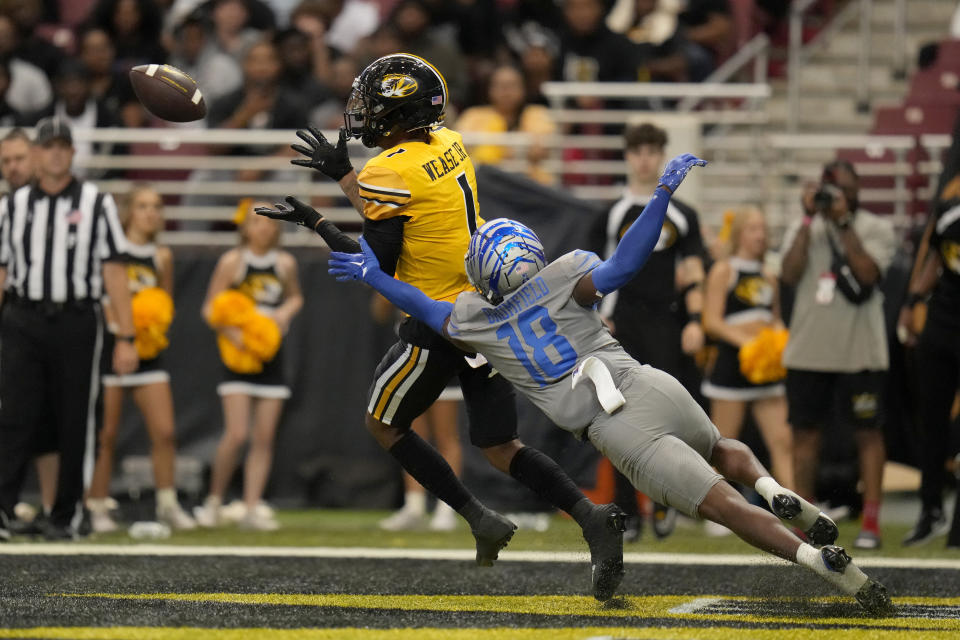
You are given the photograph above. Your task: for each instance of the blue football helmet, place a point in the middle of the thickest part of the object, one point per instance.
(503, 254)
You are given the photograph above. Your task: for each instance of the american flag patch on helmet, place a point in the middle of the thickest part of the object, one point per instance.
(436, 100)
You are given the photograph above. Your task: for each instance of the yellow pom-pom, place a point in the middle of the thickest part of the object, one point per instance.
(238, 360)
(230, 308)
(261, 336)
(761, 358)
(152, 315)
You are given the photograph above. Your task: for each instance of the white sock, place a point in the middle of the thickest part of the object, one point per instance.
(415, 502)
(213, 502)
(849, 581)
(95, 505)
(167, 498)
(768, 488)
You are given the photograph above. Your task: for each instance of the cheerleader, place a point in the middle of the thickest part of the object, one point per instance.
(252, 403)
(148, 266)
(739, 301)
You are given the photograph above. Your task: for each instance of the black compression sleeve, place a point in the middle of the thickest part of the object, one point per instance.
(336, 239)
(385, 237)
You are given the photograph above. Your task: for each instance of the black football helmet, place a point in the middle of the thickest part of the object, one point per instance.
(399, 92)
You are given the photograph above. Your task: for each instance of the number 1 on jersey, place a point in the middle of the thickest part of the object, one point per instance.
(468, 203)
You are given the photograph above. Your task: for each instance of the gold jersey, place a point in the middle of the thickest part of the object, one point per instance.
(434, 187)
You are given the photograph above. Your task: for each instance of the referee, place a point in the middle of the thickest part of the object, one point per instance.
(61, 249)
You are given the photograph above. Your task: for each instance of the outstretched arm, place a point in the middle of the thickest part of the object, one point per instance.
(306, 216)
(365, 267)
(640, 239)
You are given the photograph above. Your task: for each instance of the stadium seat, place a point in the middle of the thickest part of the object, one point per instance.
(932, 87)
(914, 120)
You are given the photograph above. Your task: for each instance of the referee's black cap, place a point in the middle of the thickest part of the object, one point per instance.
(53, 128)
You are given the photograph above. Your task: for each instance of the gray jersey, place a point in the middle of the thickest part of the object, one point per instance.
(536, 337)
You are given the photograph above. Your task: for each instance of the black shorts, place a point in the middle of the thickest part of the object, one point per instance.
(414, 372)
(650, 333)
(816, 398)
(726, 382)
(148, 371)
(269, 383)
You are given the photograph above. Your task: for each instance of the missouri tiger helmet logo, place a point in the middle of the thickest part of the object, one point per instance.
(397, 85)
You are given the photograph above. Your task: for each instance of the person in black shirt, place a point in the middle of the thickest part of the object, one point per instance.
(590, 52)
(707, 28)
(936, 273)
(645, 314)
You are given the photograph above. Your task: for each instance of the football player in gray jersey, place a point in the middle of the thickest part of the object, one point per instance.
(537, 325)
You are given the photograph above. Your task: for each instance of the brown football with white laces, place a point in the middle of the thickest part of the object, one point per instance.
(168, 92)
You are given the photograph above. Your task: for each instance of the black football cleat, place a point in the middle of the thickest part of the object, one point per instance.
(604, 535)
(874, 599)
(4, 532)
(785, 506)
(823, 531)
(492, 534)
(932, 524)
(835, 558)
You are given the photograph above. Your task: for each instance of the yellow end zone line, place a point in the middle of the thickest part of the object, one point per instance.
(501, 633)
(554, 605)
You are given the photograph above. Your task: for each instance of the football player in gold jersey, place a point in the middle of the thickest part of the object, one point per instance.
(418, 200)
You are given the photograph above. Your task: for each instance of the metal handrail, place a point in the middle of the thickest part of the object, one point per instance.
(756, 50)
(560, 90)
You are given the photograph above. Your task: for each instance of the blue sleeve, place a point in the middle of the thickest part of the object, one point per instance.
(410, 299)
(635, 247)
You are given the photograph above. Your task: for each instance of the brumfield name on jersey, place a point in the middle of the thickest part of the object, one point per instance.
(446, 162)
(523, 298)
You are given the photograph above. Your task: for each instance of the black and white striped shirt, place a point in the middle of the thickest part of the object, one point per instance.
(54, 246)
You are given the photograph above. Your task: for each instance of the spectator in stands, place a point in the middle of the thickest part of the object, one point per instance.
(148, 267)
(302, 71)
(412, 20)
(232, 33)
(508, 110)
(9, 117)
(349, 21)
(653, 26)
(936, 280)
(26, 15)
(134, 27)
(262, 103)
(707, 27)
(329, 113)
(76, 105)
(837, 356)
(252, 402)
(30, 89)
(196, 54)
(741, 299)
(107, 86)
(537, 49)
(590, 52)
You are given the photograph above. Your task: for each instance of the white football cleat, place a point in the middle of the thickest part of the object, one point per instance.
(444, 518)
(255, 520)
(175, 517)
(403, 520)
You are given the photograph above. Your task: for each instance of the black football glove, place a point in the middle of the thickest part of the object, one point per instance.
(300, 213)
(331, 161)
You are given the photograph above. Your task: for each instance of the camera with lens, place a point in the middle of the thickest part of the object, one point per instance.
(823, 198)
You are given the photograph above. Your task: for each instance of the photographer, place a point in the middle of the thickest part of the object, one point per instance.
(836, 360)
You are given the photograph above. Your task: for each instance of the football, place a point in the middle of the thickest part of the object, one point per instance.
(168, 93)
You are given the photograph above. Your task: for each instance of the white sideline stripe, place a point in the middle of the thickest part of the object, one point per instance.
(730, 559)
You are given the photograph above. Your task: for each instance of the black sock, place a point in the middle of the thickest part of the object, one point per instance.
(535, 470)
(428, 467)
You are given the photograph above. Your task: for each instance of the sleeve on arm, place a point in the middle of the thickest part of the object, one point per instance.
(385, 237)
(383, 191)
(4, 232)
(112, 241)
(337, 239)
